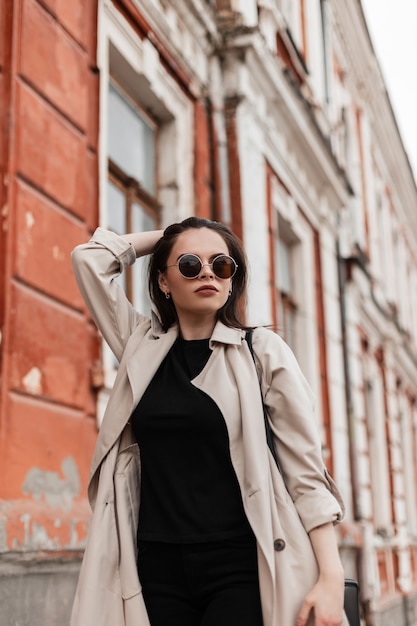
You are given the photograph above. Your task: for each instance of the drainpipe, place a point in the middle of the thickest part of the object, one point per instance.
(348, 393)
(221, 209)
(354, 472)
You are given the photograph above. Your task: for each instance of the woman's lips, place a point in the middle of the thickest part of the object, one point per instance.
(206, 289)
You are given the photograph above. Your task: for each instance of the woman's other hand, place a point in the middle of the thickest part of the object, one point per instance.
(324, 602)
(326, 598)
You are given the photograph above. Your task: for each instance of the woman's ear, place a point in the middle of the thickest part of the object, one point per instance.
(162, 282)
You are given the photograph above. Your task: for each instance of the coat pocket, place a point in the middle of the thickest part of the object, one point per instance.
(127, 471)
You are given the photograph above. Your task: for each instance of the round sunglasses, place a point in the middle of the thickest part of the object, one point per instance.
(190, 266)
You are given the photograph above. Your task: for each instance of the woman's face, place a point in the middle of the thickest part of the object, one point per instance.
(206, 294)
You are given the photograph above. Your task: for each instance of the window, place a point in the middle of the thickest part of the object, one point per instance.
(288, 234)
(131, 202)
(294, 286)
(131, 139)
(291, 39)
(293, 11)
(285, 287)
(146, 145)
(378, 453)
(408, 460)
(339, 116)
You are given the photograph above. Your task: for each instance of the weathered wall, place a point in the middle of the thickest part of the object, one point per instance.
(48, 105)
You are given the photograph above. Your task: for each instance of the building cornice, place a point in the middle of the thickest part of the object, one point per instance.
(198, 26)
(287, 108)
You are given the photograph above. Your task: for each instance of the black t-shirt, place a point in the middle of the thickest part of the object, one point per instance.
(189, 490)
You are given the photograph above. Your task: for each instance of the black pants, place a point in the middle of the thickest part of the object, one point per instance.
(203, 584)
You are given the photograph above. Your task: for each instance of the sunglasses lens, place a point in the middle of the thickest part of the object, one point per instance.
(224, 266)
(189, 265)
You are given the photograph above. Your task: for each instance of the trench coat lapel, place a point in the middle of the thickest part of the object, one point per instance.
(244, 421)
(135, 373)
(141, 365)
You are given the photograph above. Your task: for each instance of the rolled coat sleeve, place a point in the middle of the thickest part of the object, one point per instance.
(290, 406)
(97, 264)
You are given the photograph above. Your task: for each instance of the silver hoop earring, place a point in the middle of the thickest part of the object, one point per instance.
(167, 295)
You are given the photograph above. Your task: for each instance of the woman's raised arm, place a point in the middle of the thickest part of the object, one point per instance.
(143, 243)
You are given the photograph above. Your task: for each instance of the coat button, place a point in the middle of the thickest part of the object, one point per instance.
(279, 545)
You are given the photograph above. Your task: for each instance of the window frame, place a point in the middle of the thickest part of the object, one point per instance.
(375, 417)
(286, 304)
(134, 193)
(121, 53)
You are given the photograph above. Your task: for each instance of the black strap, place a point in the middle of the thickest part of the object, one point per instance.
(268, 430)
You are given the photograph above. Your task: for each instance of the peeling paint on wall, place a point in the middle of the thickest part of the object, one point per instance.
(4, 215)
(74, 541)
(32, 382)
(28, 525)
(57, 253)
(36, 536)
(57, 491)
(30, 220)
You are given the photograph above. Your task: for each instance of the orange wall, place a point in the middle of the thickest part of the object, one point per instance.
(48, 149)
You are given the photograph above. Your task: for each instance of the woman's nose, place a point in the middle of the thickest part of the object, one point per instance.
(206, 269)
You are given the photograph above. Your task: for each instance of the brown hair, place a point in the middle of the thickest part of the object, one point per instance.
(229, 313)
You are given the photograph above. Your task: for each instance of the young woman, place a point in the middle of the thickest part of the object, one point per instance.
(221, 535)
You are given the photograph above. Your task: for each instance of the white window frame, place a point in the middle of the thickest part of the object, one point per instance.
(378, 453)
(286, 248)
(306, 346)
(408, 446)
(291, 10)
(175, 185)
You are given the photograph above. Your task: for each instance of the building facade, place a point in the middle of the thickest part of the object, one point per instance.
(271, 116)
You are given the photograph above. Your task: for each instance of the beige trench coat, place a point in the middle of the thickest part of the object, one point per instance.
(109, 590)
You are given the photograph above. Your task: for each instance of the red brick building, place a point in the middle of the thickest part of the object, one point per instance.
(48, 199)
(50, 352)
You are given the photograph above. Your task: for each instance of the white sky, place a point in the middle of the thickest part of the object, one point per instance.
(393, 29)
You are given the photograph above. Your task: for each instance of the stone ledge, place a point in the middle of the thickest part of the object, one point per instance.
(37, 589)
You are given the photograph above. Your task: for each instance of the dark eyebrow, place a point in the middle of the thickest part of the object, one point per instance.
(213, 256)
